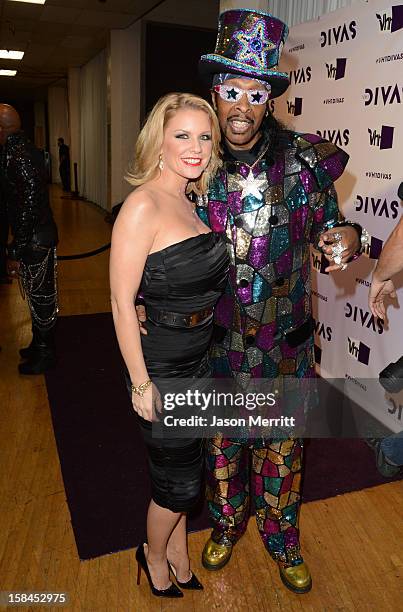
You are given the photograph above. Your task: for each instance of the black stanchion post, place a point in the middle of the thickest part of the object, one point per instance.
(75, 192)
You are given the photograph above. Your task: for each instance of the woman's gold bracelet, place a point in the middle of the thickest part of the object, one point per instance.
(141, 389)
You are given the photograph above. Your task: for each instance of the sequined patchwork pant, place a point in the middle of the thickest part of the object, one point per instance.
(272, 470)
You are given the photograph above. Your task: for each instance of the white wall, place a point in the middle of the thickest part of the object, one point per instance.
(125, 67)
(299, 11)
(93, 167)
(260, 5)
(291, 12)
(40, 124)
(58, 125)
(74, 118)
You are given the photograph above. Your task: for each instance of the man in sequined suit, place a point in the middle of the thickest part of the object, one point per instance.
(273, 197)
(32, 252)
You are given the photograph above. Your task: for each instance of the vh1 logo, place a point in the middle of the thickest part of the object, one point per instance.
(391, 21)
(338, 70)
(382, 139)
(358, 350)
(373, 248)
(319, 262)
(294, 107)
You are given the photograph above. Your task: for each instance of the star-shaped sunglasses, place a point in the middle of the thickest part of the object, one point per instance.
(230, 93)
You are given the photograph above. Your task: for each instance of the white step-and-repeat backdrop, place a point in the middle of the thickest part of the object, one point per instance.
(346, 73)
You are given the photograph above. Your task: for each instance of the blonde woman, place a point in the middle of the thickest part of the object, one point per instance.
(161, 246)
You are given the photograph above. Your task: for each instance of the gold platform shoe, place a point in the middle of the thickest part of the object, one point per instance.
(215, 556)
(297, 578)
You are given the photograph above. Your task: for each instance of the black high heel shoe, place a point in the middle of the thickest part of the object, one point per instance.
(171, 591)
(192, 583)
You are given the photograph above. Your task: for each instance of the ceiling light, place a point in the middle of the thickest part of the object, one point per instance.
(30, 1)
(12, 55)
(8, 72)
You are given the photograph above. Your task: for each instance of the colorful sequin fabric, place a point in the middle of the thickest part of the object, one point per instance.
(275, 483)
(271, 212)
(254, 44)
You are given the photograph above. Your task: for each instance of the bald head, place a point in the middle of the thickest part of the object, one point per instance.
(10, 122)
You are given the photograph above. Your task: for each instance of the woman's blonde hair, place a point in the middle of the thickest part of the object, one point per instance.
(145, 164)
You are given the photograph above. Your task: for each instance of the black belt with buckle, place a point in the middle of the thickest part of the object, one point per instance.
(293, 336)
(177, 319)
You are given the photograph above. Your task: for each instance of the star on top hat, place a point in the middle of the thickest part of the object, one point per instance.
(249, 43)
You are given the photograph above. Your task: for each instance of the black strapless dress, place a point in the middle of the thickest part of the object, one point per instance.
(186, 277)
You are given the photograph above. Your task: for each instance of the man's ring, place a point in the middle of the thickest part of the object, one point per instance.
(338, 248)
(344, 266)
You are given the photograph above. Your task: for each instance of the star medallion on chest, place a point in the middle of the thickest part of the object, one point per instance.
(252, 186)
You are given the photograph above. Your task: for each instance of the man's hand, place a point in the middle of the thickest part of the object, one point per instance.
(349, 239)
(379, 290)
(13, 267)
(142, 317)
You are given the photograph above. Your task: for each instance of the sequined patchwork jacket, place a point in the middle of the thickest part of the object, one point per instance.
(25, 191)
(271, 211)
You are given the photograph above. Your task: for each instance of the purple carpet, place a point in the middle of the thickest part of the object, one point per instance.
(102, 454)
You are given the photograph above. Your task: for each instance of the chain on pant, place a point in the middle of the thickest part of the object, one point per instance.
(38, 273)
(275, 481)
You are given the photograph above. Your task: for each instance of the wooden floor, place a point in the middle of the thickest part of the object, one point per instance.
(353, 543)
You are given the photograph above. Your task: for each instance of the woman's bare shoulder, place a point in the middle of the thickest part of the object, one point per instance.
(142, 197)
(140, 203)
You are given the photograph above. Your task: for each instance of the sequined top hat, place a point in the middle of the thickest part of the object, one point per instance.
(249, 43)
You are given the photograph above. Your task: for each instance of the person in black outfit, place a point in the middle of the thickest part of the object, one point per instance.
(161, 248)
(4, 278)
(64, 164)
(32, 252)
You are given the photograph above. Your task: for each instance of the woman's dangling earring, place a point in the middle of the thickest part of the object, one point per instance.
(161, 162)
